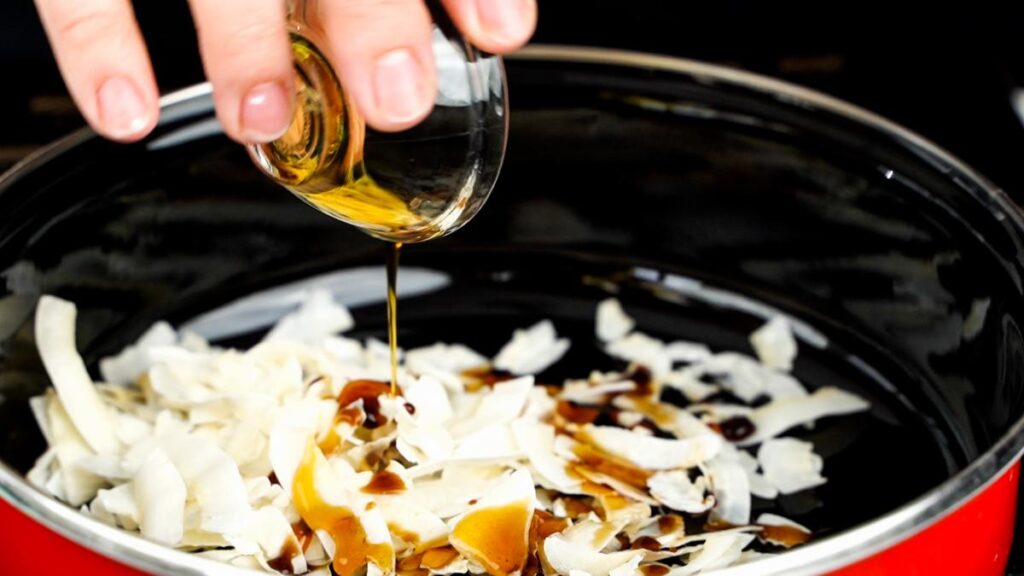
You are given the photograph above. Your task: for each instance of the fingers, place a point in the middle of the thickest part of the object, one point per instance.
(248, 59)
(381, 50)
(105, 64)
(494, 25)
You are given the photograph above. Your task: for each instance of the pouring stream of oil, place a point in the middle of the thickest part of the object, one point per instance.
(393, 254)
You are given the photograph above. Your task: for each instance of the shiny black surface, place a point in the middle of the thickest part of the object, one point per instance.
(699, 204)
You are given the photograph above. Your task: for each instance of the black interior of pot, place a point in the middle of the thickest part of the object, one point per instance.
(703, 206)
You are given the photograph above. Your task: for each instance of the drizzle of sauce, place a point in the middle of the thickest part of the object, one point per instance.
(303, 533)
(576, 413)
(654, 570)
(478, 378)
(282, 563)
(369, 391)
(609, 499)
(785, 536)
(577, 507)
(437, 558)
(596, 460)
(352, 416)
(542, 525)
(344, 527)
(385, 482)
(669, 523)
(641, 376)
(737, 428)
(495, 538)
(646, 543)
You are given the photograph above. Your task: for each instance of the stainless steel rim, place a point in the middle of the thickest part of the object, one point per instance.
(817, 558)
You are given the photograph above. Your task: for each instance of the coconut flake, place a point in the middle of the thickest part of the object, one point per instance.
(774, 344)
(564, 555)
(532, 350)
(780, 415)
(732, 492)
(55, 338)
(790, 465)
(537, 441)
(318, 317)
(135, 360)
(675, 490)
(719, 550)
(160, 494)
(641, 349)
(650, 452)
(213, 480)
(612, 321)
(78, 484)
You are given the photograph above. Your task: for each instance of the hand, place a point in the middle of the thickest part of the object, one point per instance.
(380, 48)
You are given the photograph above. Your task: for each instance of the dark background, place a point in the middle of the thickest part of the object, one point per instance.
(950, 73)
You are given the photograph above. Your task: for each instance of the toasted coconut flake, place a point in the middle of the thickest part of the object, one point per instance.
(780, 415)
(650, 452)
(774, 344)
(55, 337)
(533, 350)
(418, 527)
(675, 490)
(612, 321)
(732, 493)
(790, 465)
(317, 317)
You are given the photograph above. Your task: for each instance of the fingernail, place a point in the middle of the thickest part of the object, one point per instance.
(123, 114)
(506, 21)
(266, 113)
(400, 87)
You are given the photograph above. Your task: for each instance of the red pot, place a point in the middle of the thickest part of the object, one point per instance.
(689, 184)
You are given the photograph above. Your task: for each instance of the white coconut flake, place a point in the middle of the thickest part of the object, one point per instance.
(719, 549)
(641, 349)
(160, 494)
(774, 344)
(55, 337)
(790, 465)
(135, 360)
(651, 452)
(532, 350)
(612, 321)
(441, 357)
(317, 317)
(780, 415)
(213, 480)
(565, 555)
(537, 441)
(675, 490)
(732, 492)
